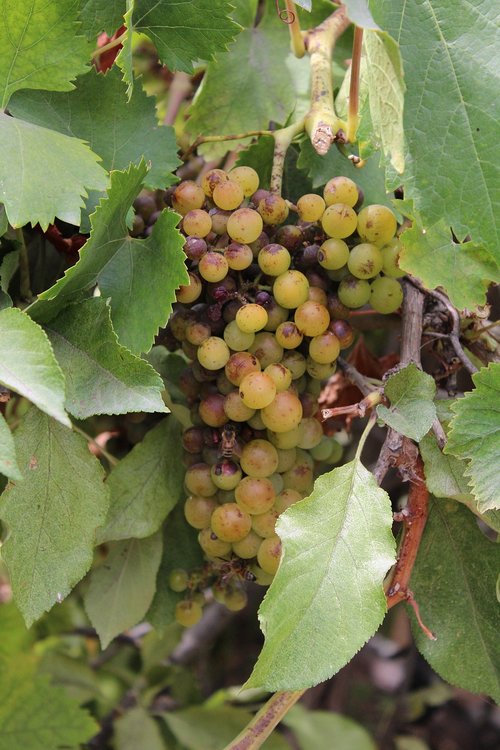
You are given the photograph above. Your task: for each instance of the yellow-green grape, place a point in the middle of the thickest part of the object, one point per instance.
(390, 256)
(291, 289)
(257, 390)
(256, 422)
(386, 295)
(322, 450)
(316, 294)
(264, 524)
(235, 408)
(333, 254)
(213, 266)
(365, 261)
(197, 332)
(247, 547)
(288, 335)
(339, 221)
(269, 554)
(311, 318)
(261, 577)
(198, 480)
(283, 413)
(274, 259)
(244, 225)
(339, 274)
(286, 459)
(311, 207)
(354, 292)
(188, 613)
(266, 348)
(235, 599)
(178, 580)
(230, 523)
(285, 499)
(277, 482)
(281, 376)
(190, 292)
(228, 195)
(300, 477)
(211, 545)
(273, 209)
(319, 371)
(239, 365)
(324, 348)
(219, 220)
(236, 339)
(213, 353)
(276, 315)
(341, 190)
(198, 511)
(377, 224)
(259, 458)
(312, 432)
(336, 451)
(251, 318)
(255, 495)
(187, 196)
(295, 362)
(197, 223)
(285, 440)
(225, 496)
(226, 474)
(238, 256)
(247, 178)
(211, 179)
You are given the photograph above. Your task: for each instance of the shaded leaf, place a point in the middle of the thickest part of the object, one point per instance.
(135, 729)
(8, 463)
(101, 15)
(52, 515)
(316, 729)
(359, 13)
(412, 410)
(16, 637)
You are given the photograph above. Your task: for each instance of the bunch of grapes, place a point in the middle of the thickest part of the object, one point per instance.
(261, 322)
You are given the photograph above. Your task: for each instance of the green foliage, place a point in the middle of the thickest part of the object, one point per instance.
(315, 729)
(8, 463)
(359, 13)
(101, 15)
(412, 409)
(136, 728)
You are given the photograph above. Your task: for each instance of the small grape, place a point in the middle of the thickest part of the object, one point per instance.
(145, 205)
(195, 248)
(187, 196)
(343, 331)
(213, 266)
(274, 259)
(377, 224)
(339, 221)
(257, 390)
(285, 440)
(266, 348)
(255, 495)
(275, 315)
(319, 371)
(300, 477)
(365, 261)
(226, 474)
(291, 289)
(390, 255)
(244, 225)
(333, 254)
(238, 256)
(192, 440)
(197, 332)
(236, 339)
(198, 511)
(264, 524)
(288, 335)
(386, 295)
(336, 451)
(230, 523)
(336, 309)
(316, 294)
(286, 498)
(197, 223)
(228, 195)
(178, 580)
(354, 292)
(188, 613)
(189, 292)
(269, 554)
(219, 219)
(281, 376)
(211, 179)
(261, 577)
(311, 318)
(251, 318)
(311, 207)
(324, 348)
(341, 190)
(212, 545)
(273, 209)
(199, 482)
(290, 236)
(247, 547)
(247, 178)
(235, 599)
(295, 362)
(283, 413)
(259, 458)
(211, 410)
(213, 353)
(236, 410)
(312, 432)
(256, 422)
(239, 365)
(223, 384)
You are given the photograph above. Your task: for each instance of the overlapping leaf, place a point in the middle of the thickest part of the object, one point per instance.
(135, 729)
(412, 410)
(315, 729)
(101, 15)
(8, 462)
(359, 13)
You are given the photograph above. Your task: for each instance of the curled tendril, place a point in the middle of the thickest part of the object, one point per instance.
(285, 15)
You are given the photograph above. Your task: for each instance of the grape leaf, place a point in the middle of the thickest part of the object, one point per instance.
(454, 580)
(146, 484)
(28, 365)
(315, 729)
(444, 474)
(8, 462)
(101, 15)
(16, 637)
(35, 715)
(124, 58)
(44, 174)
(139, 276)
(412, 410)
(41, 46)
(52, 515)
(359, 13)
(118, 131)
(475, 435)
(102, 377)
(135, 729)
(451, 126)
(126, 582)
(337, 548)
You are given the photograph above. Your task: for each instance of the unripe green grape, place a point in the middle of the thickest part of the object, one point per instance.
(288, 335)
(213, 267)
(188, 613)
(228, 195)
(190, 292)
(322, 450)
(295, 362)
(291, 289)
(211, 179)
(235, 409)
(230, 523)
(235, 599)
(285, 499)
(266, 348)
(277, 482)
(273, 209)
(274, 259)
(212, 545)
(198, 480)
(187, 196)
(238, 256)
(275, 316)
(264, 524)
(354, 292)
(386, 295)
(312, 432)
(320, 371)
(255, 495)
(244, 225)
(341, 190)
(261, 577)
(311, 318)
(198, 511)
(336, 451)
(338, 274)
(377, 224)
(390, 255)
(339, 221)
(239, 365)
(178, 580)
(286, 459)
(333, 254)
(197, 223)
(219, 219)
(247, 547)
(257, 390)
(311, 207)
(324, 348)
(269, 554)
(300, 477)
(259, 458)
(251, 318)
(256, 422)
(285, 440)
(236, 339)
(211, 410)
(226, 474)
(247, 178)
(283, 413)
(365, 261)
(280, 374)
(213, 353)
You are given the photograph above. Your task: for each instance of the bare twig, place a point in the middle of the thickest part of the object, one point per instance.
(197, 639)
(360, 381)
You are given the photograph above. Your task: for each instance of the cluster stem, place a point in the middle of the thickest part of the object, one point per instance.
(282, 140)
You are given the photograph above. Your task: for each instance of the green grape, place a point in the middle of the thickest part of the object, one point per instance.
(354, 292)
(319, 371)
(273, 209)
(261, 577)
(295, 362)
(187, 196)
(277, 482)
(178, 580)
(283, 413)
(266, 348)
(291, 289)
(259, 458)
(198, 511)
(312, 433)
(226, 474)
(211, 410)
(244, 225)
(251, 318)
(228, 195)
(281, 376)
(230, 523)
(247, 547)
(377, 224)
(238, 256)
(336, 452)
(286, 459)
(235, 408)
(212, 545)
(256, 422)
(286, 498)
(275, 316)
(213, 266)
(213, 353)
(311, 318)
(211, 179)
(339, 221)
(197, 223)
(236, 339)
(324, 348)
(255, 494)
(322, 450)
(239, 365)
(333, 254)
(285, 440)
(365, 261)
(257, 390)
(188, 613)
(310, 207)
(247, 178)
(316, 294)
(269, 554)
(288, 335)
(188, 293)
(386, 295)
(264, 524)
(197, 332)
(198, 480)
(390, 256)
(300, 477)
(219, 220)
(274, 259)
(235, 599)
(341, 190)
(225, 496)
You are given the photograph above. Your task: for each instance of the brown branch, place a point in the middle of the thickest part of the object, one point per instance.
(356, 378)
(265, 720)
(353, 109)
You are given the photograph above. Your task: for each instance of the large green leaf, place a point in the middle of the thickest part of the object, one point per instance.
(337, 548)
(359, 13)
(28, 365)
(44, 174)
(451, 125)
(52, 515)
(139, 276)
(122, 588)
(35, 715)
(322, 729)
(102, 376)
(146, 484)
(137, 729)
(41, 46)
(475, 435)
(98, 112)
(8, 463)
(101, 15)
(412, 410)
(454, 581)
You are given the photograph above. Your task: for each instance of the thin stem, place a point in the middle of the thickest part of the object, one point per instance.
(352, 113)
(296, 38)
(282, 141)
(362, 440)
(110, 45)
(322, 122)
(24, 268)
(264, 721)
(220, 138)
(109, 458)
(362, 383)
(179, 90)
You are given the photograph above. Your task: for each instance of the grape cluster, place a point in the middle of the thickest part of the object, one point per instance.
(261, 322)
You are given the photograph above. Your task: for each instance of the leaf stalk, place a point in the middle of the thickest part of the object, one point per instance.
(296, 39)
(353, 109)
(265, 720)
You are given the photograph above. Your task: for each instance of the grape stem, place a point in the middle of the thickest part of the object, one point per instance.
(110, 45)
(296, 38)
(282, 141)
(221, 138)
(322, 123)
(352, 112)
(97, 447)
(265, 720)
